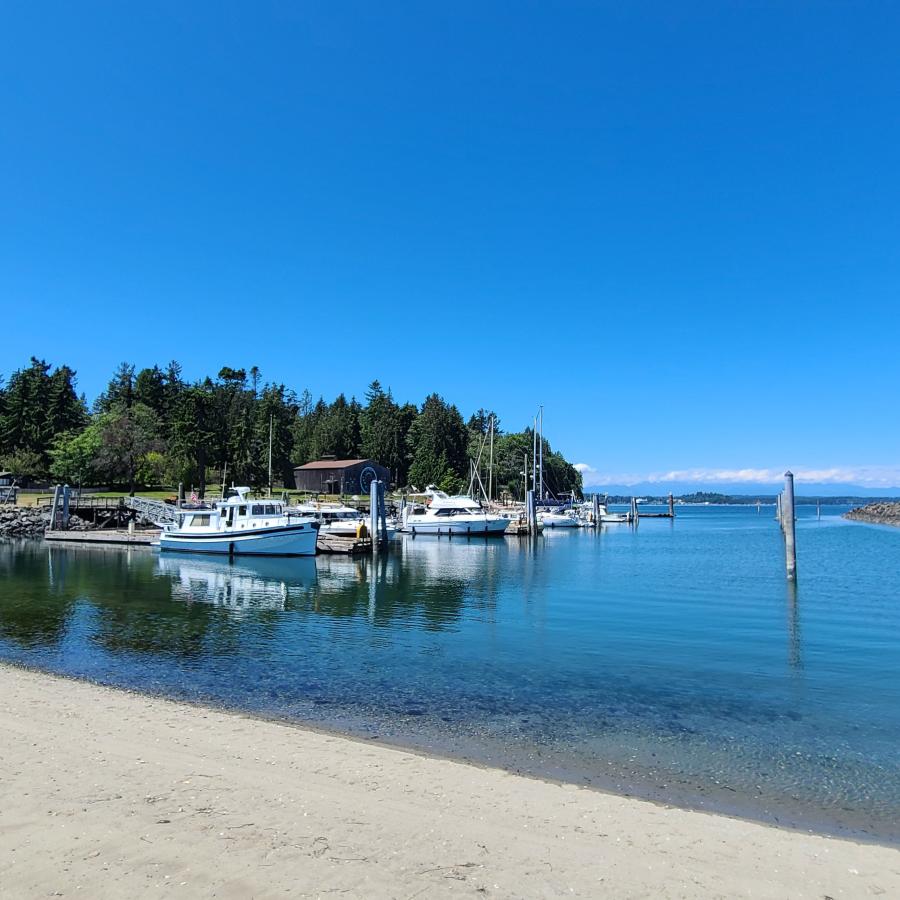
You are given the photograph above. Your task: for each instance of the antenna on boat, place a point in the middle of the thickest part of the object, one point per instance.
(271, 419)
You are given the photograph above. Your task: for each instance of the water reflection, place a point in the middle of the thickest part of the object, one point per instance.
(239, 587)
(793, 625)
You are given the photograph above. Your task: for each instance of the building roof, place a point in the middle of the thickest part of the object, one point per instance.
(331, 464)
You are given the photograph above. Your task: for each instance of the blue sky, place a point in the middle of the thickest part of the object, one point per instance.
(673, 225)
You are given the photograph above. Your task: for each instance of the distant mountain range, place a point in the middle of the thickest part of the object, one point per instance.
(745, 489)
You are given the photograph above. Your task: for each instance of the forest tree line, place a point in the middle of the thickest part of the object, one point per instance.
(153, 428)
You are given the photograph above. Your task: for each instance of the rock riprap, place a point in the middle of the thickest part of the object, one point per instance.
(29, 521)
(881, 513)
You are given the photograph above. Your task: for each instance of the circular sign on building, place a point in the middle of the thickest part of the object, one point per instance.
(366, 477)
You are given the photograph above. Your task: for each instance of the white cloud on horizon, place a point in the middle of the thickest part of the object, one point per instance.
(865, 476)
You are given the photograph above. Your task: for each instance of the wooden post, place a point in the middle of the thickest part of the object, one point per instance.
(787, 516)
(671, 506)
(778, 509)
(65, 506)
(530, 514)
(55, 506)
(180, 494)
(596, 510)
(373, 514)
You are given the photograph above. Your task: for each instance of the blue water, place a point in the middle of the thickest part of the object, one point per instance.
(673, 661)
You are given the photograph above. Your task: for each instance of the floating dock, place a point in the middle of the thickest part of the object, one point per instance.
(332, 543)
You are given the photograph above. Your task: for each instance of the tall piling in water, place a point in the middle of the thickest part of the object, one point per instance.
(530, 512)
(671, 506)
(787, 524)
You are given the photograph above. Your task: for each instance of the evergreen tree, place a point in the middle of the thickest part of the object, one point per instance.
(119, 391)
(438, 441)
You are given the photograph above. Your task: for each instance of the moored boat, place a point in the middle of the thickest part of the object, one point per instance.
(444, 514)
(335, 518)
(239, 526)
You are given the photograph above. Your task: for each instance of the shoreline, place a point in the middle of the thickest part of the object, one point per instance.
(679, 792)
(113, 790)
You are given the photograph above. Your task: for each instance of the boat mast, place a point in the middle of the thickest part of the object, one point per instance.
(541, 494)
(534, 454)
(271, 419)
(491, 464)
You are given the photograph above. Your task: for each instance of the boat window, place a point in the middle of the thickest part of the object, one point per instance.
(257, 509)
(199, 521)
(270, 510)
(242, 510)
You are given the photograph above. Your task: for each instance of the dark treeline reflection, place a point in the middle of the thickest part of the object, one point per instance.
(186, 605)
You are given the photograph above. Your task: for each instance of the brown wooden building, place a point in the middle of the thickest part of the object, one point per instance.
(340, 476)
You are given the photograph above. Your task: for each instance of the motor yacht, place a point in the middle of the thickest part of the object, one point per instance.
(443, 514)
(336, 519)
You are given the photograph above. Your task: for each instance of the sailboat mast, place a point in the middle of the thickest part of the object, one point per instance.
(491, 464)
(542, 455)
(534, 455)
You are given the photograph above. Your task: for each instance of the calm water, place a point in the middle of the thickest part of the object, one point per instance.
(674, 662)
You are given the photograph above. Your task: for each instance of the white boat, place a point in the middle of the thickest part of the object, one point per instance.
(444, 514)
(566, 518)
(336, 519)
(241, 527)
(586, 514)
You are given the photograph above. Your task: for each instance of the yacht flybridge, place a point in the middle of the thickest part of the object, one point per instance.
(239, 526)
(444, 514)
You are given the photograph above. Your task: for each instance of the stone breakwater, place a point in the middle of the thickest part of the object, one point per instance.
(28, 521)
(876, 513)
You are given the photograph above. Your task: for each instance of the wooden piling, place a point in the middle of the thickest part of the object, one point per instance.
(788, 522)
(596, 510)
(530, 512)
(671, 506)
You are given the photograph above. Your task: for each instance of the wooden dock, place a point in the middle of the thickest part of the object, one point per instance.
(332, 543)
(118, 536)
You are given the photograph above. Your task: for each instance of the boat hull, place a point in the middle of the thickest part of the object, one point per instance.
(299, 540)
(488, 527)
(560, 522)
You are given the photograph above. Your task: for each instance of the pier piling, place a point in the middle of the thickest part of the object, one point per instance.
(671, 506)
(788, 522)
(596, 510)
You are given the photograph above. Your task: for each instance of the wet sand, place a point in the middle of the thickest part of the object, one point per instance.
(107, 793)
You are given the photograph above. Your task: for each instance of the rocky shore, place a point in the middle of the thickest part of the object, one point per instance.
(876, 513)
(29, 521)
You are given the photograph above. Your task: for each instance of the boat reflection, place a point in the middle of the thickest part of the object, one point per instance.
(241, 587)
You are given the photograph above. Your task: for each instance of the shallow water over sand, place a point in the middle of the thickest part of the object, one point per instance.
(673, 662)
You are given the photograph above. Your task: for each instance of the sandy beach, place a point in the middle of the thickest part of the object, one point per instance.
(112, 794)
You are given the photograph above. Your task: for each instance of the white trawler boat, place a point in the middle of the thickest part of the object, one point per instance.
(241, 527)
(444, 514)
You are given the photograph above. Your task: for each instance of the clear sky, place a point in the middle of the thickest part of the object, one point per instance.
(675, 225)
